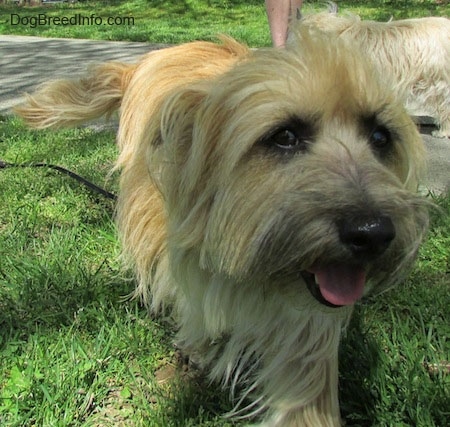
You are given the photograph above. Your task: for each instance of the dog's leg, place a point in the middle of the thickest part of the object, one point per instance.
(444, 128)
(323, 411)
(441, 113)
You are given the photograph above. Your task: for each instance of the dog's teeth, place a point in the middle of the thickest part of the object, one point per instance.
(315, 279)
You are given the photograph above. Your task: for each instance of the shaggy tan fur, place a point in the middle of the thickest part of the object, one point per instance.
(245, 175)
(414, 53)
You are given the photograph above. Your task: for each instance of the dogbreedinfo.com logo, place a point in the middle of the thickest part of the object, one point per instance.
(44, 20)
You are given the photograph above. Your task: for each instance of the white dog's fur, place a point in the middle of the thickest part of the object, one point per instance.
(414, 53)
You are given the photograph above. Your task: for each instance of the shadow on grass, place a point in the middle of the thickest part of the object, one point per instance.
(51, 295)
(359, 361)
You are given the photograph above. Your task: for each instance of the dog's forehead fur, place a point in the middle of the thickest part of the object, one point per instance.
(333, 91)
(299, 81)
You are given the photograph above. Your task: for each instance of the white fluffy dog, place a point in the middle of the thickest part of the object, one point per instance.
(413, 53)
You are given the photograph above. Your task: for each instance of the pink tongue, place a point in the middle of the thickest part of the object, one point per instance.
(341, 285)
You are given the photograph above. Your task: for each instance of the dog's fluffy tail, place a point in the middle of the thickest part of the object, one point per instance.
(65, 103)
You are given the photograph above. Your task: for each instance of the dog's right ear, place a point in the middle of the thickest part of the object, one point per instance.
(182, 135)
(183, 156)
(178, 114)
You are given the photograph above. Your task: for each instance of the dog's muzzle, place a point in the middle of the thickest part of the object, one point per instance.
(365, 238)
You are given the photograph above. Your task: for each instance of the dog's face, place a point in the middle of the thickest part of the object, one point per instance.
(296, 167)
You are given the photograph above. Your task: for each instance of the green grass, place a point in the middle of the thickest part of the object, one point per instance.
(176, 21)
(74, 353)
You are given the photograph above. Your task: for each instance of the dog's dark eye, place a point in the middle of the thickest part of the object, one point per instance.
(380, 138)
(286, 139)
(289, 138)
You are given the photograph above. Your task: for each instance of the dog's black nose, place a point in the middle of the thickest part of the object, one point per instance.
(367, 236)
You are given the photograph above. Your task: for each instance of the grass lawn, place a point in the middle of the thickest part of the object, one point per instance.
(175, 21)
(75, 352)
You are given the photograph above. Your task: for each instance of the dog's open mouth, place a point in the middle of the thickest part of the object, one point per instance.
(336, 286)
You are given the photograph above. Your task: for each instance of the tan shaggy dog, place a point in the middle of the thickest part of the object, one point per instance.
(415, 53)
(262, 194)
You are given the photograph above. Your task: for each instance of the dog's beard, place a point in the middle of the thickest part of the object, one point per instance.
(278, 243)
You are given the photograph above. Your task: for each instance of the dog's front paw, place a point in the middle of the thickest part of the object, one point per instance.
(441, 133)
